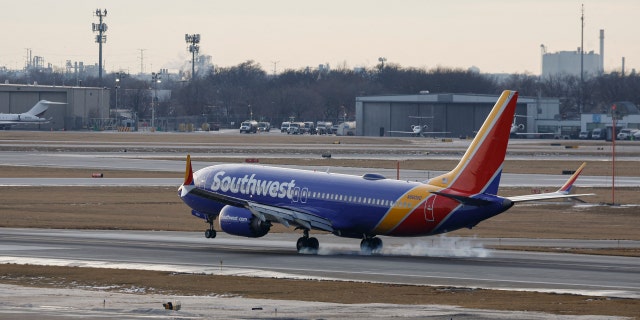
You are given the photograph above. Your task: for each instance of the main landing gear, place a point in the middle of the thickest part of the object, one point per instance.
(210, 233)
(306, 244)
(371, 245)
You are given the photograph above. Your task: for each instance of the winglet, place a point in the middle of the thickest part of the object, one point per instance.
(566, 188)
(188, 183)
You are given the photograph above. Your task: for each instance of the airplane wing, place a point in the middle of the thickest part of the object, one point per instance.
(284, 216)
(420, 132)
(534, 133)
(563, 192)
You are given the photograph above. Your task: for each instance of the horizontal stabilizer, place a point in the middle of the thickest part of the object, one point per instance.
(464, 199)
(563, 192)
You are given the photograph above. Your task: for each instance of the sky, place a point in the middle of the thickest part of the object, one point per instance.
(496, 36)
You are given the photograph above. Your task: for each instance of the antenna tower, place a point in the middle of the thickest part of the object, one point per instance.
(101, 38)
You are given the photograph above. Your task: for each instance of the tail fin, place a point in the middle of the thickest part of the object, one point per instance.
(480, 168)
(188, 183)
(38, 109)
(41, 107)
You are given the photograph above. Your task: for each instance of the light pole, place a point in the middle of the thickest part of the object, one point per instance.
(193, 40)
(155, 79)
(119, 77)
(117, 86)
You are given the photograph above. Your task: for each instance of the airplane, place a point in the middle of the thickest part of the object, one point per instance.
(515, 127)
(32, 116)
(419, 130)
(248, 199)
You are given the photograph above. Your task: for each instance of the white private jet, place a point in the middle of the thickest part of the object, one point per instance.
(32, 116)
(418, 130)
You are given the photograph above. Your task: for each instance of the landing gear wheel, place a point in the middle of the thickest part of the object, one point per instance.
(313, 244)
(300, 245)
(210, 234)
(308, 245)
(371, 245)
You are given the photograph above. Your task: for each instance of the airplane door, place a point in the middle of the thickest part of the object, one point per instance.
(429, 208)
(304, 195)
(295, 195)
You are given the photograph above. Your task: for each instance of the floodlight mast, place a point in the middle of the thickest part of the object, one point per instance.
(155, 79)
(100, 38)
(193, 40)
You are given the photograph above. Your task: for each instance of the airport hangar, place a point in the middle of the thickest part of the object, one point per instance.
(460, 115)
(85, 106)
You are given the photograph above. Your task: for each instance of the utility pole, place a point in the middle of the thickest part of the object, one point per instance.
(582, 60)
(193, 40)
(155, 79)
(100, 28)
(275, 65)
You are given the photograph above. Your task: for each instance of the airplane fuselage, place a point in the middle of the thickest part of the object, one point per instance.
(356, 205)
(22, 117)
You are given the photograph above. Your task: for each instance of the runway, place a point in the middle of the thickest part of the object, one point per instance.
(435, 261)
(143, 162)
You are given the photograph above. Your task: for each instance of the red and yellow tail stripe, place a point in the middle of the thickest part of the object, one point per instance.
(483, 159)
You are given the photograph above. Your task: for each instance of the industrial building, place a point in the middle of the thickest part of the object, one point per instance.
(85, 107)
(573, 62)
(459, 115)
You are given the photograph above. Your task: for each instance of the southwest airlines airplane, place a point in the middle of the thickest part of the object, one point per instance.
(247, 199)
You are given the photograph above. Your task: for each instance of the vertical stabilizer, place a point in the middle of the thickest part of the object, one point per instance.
(39, 108)
(479, 169)
(188, 183)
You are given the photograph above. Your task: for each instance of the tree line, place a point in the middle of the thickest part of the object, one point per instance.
(237, 93)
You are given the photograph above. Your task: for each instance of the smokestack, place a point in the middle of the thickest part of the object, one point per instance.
(623, 66)
(601, 51)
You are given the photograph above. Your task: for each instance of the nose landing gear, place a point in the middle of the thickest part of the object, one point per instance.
(210, 233)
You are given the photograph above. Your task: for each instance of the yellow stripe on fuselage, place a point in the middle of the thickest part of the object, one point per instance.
(403, 207)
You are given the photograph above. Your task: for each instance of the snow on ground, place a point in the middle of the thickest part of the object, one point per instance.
(94, 303)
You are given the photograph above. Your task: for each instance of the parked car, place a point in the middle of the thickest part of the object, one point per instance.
(598, 134)
(584, 135)
(626, 134)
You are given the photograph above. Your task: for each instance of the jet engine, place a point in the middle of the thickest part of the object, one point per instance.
(241, 222)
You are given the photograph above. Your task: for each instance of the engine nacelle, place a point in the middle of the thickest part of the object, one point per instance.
(241, 222)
